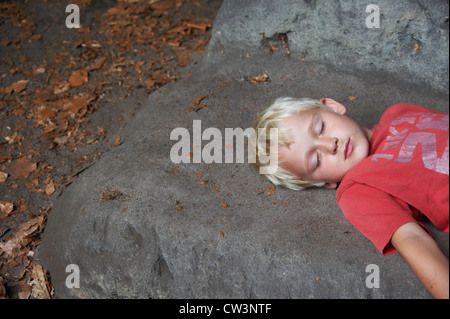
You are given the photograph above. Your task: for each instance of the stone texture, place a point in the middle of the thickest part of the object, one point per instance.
(336, 32)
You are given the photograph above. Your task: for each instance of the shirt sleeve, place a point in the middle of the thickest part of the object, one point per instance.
(376, 214)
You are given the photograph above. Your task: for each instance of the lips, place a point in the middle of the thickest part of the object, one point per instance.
(348, 149)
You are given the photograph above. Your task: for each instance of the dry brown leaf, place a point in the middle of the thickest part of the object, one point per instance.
(200, 106)
(25, 290)
(138, 66)
(12, 247)
(4, 158)
(78, 78)
(15, 138)
(198, 100)
(22, 168)
(197, 104)
(198, 23)
(417, 47)
(76, 104)
(18, 86)
(260, 78)
(149, 83)
(3, 177)
(351, 98)
(6, 207)
(39, 283)
(224, 204)
(183, 60)
(61, 88)
(46, 113)
(50, 188)
(97, 64)
(161, 5)
(61, 140)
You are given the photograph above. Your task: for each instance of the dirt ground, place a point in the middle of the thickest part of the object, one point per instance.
(65, 95)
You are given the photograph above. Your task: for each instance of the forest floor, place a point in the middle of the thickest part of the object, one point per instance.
(65, 95)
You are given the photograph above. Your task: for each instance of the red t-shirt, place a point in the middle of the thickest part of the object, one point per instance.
(405, 177)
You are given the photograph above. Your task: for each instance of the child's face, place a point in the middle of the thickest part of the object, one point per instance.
(326, 144)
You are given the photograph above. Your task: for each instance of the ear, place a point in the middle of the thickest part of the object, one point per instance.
(331, 185)
(334, 106)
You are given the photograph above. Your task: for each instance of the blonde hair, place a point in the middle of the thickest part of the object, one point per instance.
(271, 118)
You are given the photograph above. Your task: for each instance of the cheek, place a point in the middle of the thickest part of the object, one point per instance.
(288, 161)
(333, 170)
(362, 151)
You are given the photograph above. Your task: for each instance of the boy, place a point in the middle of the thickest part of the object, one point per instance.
(389, 177)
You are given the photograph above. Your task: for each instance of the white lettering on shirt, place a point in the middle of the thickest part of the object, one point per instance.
(410, 140)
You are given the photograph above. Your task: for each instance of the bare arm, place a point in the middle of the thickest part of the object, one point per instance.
(424, 257)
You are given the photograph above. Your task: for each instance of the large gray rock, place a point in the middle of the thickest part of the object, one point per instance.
(411, 43)
(165, 235)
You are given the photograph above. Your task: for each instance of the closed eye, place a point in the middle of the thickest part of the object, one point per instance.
(322, 127)
(319, 126)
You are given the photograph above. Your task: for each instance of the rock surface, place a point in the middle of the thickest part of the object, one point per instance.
(411, 43)
(139, 226)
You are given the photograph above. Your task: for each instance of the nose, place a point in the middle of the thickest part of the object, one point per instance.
(329, 145)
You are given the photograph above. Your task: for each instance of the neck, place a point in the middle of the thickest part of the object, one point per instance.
(369, 133)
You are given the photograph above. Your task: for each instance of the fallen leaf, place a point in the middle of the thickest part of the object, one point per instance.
(417, 47)
(46, 113)
(149, 83)
(39, 283)
(183, 60)
(198, 24)
(197, 104)
(61, 140)
(61, 88)
(12, 247)
(3, 177)
(6, 207)
(78, 78)
(22, 168)
(113, 195)
(351, 98)
(4, 158)
(200, 106)
(25, 290)
(261, 77)
(161, 5)
(76, 104)
(198, 100)
(15, 138)
(178, 208)
(224, 204)
(59, 59)
(97, 64)
(50, 188)
(138, 66)
(18, 86)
